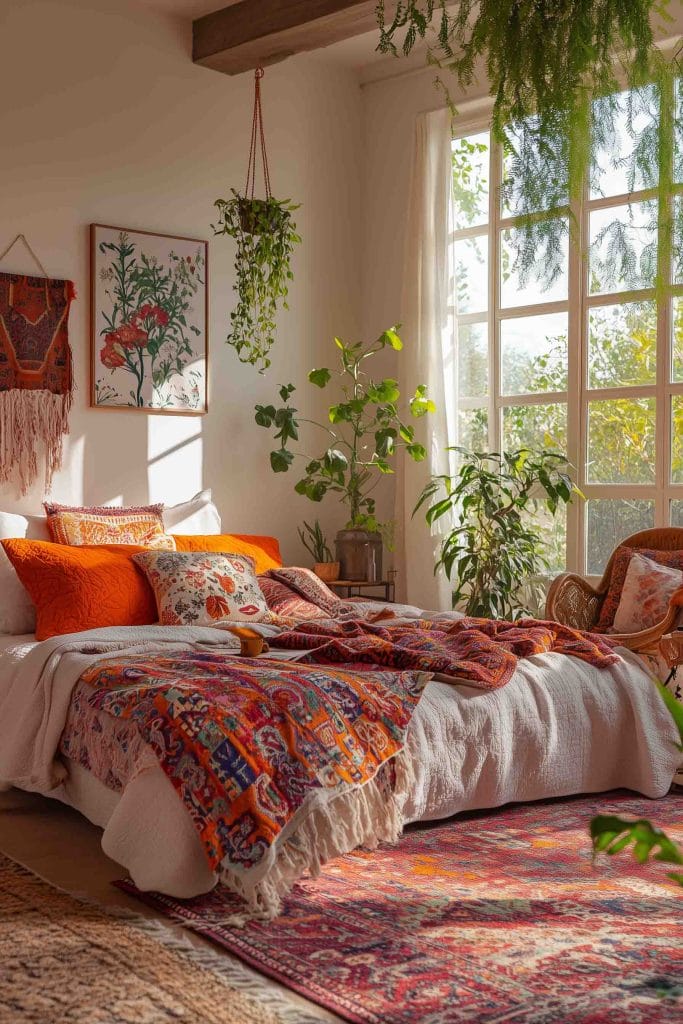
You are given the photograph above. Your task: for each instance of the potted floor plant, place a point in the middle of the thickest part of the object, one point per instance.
(494, 552)
(365, 430)
(313, 539)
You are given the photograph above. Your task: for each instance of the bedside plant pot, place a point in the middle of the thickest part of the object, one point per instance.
(328, 572)
(355, 549)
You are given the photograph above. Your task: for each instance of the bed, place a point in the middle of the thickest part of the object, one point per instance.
(558, 727)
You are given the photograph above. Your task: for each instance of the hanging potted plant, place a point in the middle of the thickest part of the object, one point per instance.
(365, 432)
(265, 235)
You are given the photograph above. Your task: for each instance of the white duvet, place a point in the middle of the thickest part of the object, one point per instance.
(560, 726)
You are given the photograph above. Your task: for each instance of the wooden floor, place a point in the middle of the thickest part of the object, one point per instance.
(62, 847)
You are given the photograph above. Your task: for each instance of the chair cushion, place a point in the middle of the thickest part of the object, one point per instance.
(622, 559)
(647, 591)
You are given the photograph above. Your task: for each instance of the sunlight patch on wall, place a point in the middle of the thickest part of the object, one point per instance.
(174, 458)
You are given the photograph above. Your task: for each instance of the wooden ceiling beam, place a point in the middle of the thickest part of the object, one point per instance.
(258, 32)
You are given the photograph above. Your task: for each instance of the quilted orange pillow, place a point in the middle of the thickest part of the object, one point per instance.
(142, 526)
(264, 550)
(77, 588)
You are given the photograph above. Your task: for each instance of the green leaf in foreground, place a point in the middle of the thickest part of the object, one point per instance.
(611, 834)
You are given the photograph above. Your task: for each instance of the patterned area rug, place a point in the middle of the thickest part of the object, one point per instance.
(63, 961)
(495, 917)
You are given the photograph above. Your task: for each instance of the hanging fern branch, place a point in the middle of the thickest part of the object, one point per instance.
(556, 68)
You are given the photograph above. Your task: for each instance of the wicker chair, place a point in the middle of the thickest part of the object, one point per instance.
(572, 601)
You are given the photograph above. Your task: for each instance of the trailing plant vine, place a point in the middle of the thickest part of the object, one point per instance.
(266, 235)
(556, 68)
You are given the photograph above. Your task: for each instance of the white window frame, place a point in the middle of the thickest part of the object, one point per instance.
(578, 305)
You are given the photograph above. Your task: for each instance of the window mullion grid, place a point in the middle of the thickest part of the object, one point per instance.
(577, 376)
(664, 315)
(496, 176)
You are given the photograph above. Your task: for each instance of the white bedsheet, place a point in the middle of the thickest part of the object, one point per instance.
(559, 727)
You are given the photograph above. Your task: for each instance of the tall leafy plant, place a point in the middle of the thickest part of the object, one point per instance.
(365, 430)
(555, 69)
(494, 550)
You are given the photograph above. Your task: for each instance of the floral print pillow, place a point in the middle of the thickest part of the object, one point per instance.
(645, 596)
(203, 588)
(622, 560)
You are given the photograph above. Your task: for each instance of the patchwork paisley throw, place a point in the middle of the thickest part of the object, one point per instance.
(280, 767)
(484, 652)
(36, 377)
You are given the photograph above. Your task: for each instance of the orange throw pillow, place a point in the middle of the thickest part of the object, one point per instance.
(77, 588)
(264, 550)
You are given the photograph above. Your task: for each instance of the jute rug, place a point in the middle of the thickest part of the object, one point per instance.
(485, 919)
(63, 961)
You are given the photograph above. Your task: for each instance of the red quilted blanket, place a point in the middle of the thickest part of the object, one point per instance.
(483, 652)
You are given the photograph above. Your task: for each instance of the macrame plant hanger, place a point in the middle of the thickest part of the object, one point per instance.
(258, 140)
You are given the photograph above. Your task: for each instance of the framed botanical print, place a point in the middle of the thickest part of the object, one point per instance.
(149, 302)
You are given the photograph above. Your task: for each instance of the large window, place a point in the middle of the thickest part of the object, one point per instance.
(586, 353)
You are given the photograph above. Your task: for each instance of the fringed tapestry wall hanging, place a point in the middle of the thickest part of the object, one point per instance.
(36, 376)
(266, 235)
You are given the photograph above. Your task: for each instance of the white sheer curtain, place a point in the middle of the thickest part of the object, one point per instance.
(428, 356)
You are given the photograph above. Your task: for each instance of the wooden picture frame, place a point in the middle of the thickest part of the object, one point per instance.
(149, 301)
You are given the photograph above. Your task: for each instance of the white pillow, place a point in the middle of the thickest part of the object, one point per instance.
(646, 593)
(17, 614)
(199, 515)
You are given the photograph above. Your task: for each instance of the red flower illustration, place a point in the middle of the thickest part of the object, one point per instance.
(131, 336)
(112, 355)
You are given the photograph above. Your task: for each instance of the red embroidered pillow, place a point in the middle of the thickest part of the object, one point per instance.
(285, 602)
(305, 583)
(622, 559)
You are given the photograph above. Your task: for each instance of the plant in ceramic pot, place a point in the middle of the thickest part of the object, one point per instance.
(313, 539)
(266, 235)
(365, 430)
(494, 552)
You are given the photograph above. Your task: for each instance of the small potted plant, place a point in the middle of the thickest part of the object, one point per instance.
(313, 539)
(365, 431)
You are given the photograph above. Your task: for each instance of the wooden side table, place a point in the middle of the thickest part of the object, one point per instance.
(357, 588)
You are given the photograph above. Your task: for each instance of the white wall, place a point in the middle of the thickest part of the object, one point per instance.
(105, 119)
